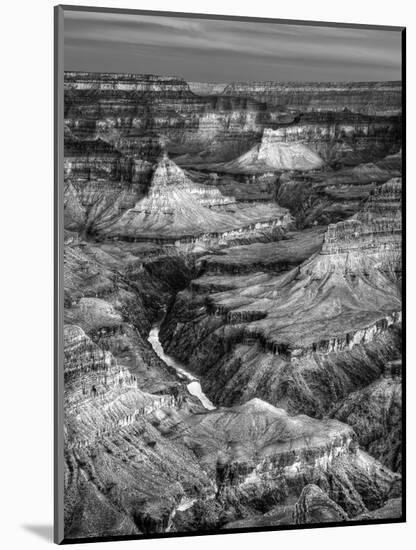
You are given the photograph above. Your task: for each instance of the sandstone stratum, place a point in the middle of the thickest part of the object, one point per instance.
(233, 310)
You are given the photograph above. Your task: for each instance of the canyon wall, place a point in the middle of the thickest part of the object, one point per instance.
(275, 336)
(360, 97)
(257, 227)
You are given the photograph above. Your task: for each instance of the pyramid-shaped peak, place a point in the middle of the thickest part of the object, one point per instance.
(168, 173)
(257, 405)
(276, 153)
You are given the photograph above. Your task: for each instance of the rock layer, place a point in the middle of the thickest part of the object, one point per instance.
(275, 153)
(360, 97)
(375, 413)
(180, 204)
(266, 335)
(176, 209)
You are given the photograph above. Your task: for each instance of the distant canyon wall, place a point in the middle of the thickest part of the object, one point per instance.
(373, 98)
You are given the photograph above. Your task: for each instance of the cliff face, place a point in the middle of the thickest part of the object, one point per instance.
(127, 111)
(359, 97)
(118, 125)
(136, 454)
(121, 475)
(122, 109)
(275, 153)
(314, 506)
(380, 220)
(260, 458)
(276, 336)
(178, 210)
(375, 413)
(207, 88)
(331, 196)
(124, 82)
(290, 251)
(181, 202)
(312, 141)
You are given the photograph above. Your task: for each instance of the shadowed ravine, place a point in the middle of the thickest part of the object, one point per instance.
(194, 386)
(265, 220)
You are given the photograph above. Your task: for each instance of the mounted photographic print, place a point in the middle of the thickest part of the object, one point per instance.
(228, 274)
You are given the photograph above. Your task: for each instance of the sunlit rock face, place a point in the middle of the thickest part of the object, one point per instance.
(275, 153)
(257, 227)
(393, 509)
(276, 336)
(290, 251)
(330, 196)
(123, 108)
(375, 413)
(121, 475)
(218, 127)
(101, 182)
(178, 210)
(261, 459)
(316, 140)
(117, 126)
(207, 88)
(242, 445)
(359, 97)
(141, 453)
(314, 506)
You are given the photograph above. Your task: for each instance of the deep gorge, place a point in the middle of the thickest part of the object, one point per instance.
(248, 238)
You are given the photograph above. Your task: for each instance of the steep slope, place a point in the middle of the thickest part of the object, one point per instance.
(360, 97)
(274, 153)
(304, 339)
(132, 111)
(261, 458)
(207, 88)
(121, 476)
(314, 506)
(293, 249)
(331, 196)
(177, 209)
(293, 335)
(141, 453)
(127, 110)
(375, 413)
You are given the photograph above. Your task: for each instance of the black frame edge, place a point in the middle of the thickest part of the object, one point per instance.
(235, 531)
(59, 537)
(188, 15)
(404, 265)
(58, 523)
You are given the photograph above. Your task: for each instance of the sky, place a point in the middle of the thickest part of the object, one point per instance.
(205, 50)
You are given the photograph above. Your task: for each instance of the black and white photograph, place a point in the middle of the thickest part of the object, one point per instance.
(231, 274)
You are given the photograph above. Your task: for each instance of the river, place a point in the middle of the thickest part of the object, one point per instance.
(194, 386)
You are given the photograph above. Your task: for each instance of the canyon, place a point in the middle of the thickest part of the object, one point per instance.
(233, 308)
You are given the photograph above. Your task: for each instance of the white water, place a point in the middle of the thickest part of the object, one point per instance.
(194, 387)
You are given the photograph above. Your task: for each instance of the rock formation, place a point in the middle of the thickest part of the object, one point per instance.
(314, 506)
(286, 332)
(375, 413)
(207, 88)
(244, 238)
(359, 97)
(260, 458)
(276, 153)
(176, 209)
(121, 475)
(330, 196)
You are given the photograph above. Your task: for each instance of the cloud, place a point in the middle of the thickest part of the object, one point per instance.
(130, 43)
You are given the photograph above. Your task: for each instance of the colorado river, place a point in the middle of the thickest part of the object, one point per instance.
(194, 387)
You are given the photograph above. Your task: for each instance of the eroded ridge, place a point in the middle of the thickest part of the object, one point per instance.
(232, 277)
